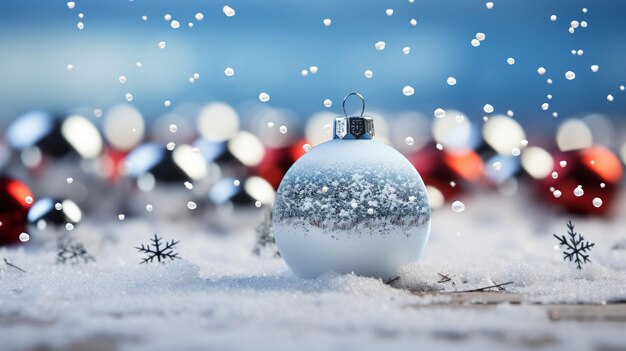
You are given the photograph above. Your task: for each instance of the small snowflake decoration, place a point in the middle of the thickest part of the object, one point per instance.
(576, 249)
(72, 252)
(157, 249)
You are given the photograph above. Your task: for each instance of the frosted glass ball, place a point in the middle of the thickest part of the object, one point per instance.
(351, 206)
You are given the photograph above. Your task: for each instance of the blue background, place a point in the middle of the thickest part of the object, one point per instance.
(270, 42)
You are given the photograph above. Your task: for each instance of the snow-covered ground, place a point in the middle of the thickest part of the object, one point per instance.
(220, 296)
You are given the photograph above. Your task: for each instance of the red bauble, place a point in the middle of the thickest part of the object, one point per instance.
(450, 173)
(596, 169)
(277, 162)
(13, 209)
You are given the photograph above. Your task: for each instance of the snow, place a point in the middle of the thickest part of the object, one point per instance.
(220, 296)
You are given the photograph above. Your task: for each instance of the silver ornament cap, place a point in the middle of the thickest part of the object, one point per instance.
(353, 127)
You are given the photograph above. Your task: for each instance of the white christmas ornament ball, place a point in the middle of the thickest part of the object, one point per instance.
(317, 226)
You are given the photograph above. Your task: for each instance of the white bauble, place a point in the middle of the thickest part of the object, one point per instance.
(351, 205)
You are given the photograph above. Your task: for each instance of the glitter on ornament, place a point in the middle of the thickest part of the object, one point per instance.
(318, 231)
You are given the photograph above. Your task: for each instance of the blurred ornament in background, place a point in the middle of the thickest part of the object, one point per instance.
(160, 175)
(15, 200)
(447, 175)
(51, 219)
(579, 177)
(351, 204)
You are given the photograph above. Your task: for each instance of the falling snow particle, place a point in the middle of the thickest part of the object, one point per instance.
(149, 208)
(406, 50)
(313, 69)
(594, 68)
(458, 206)
(557, 194)
(229, 72)
(480, 36)
(71, 5)
(597, 202)
(545, 106)
(574, 24)
(70, 67)
(451, 81)
(368, 74)
(621, 88)
(440, 113)
(28, 199)
(570, 75)
(609, 98)
(516, 152)
(510, 113)
(80, 25)
(236, 182)
(69, 180)
(97, 113)
(270, 124)
(162, 45)
(327, 22)
(258, 203)
(167, 17)
(199, 16)
(563, 164)
(380, 45)
(306, 147)
(555, 175)
(304, 73)
(324, 189)
(171, 145)
(408, 90)
(409, 141)
(138, 64)
(191, 205)
(475, 42)
(553, 18)
(328, 103)
(188, 185)
(510, 61)
(122, 79)
(283, 129)
(228, 11)
(389, 12)
(488, 108)
(129, 97)
(167, 103)
(413, 22)
(24, 237)
(144, 18)
(264, 97)
(489, 5)
(175, 24)
(541, 71)
(497, 165)
(173, 128)
(121, 216)
(578, 192)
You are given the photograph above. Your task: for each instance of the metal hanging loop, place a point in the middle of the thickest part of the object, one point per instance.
(362, 103)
